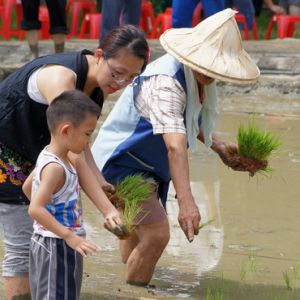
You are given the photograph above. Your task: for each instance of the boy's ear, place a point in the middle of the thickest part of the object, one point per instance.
(64, 130)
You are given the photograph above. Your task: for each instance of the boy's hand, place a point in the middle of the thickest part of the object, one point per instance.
(114, 224)
(81, 245)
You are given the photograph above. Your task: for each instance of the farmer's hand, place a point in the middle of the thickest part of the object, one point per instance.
(189, 219)
(108, 188)
(114, 224)
(230, 157)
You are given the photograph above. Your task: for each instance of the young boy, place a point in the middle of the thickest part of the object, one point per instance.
(58, 242)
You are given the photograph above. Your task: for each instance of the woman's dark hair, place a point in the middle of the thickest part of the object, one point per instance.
(127, 37)
(71, 106)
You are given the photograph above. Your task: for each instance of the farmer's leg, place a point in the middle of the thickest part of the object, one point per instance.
(127, 245)
(153, 239)
(17, 231)
(144, 247)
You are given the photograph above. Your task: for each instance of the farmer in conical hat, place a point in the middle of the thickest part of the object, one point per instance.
(166, 110)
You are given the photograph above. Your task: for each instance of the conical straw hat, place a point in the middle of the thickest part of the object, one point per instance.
(213, 48)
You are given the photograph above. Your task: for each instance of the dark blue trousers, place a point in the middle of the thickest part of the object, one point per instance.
(116, 12)
(183, 10)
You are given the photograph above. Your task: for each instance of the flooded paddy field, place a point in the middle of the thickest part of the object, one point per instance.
(251, 250)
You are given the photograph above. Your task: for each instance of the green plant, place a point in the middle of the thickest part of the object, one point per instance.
(292, 281)
(251, 266)
(159, 6)
(255, 146)
(207, 223)
(286, 279)
(131, 192)
(215, 291)
(296, 271)
(256, 143)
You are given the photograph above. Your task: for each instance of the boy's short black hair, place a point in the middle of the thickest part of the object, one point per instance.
(72, 106)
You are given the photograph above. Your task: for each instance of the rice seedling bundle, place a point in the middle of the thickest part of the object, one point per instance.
(255, 147)
(130, 194)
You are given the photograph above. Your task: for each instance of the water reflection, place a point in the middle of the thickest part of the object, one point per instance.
(206, 249)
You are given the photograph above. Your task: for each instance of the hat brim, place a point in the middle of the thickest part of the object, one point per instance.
(171, 40)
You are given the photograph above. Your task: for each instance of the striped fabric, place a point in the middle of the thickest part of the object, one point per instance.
(162, 100)
(55, 269)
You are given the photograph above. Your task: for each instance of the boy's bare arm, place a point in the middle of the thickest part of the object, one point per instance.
(94, 191)
(27, 185)
(52, 178)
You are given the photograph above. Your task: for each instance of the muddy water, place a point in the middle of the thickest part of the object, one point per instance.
(243, 253)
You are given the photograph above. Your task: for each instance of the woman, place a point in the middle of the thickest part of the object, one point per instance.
(158, 115)
(24, 96)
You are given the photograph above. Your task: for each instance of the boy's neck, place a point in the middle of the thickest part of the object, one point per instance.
(59, 150)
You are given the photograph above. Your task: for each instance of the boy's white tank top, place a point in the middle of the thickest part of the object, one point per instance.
(65, 205)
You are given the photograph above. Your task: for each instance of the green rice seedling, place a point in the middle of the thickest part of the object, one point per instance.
(213, 293)
(131, 192)
(207, 223)
(255, 146)
(209, 294)
(251, 266)
(243, 273)
(286, 279)
(296, 271)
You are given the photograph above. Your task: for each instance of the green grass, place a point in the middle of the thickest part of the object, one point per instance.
(251, 266)
(132, 191)
(256, 143)
(292, 280)
(287, 280)
(207, 223)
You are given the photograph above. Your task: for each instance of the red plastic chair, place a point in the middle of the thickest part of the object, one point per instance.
(197, 14)
(162, 22)
(169, 11)
(6, 12)
(147, 17)
(78, 8)
(240, 19)
(285, 26)
(90, 26)
(254, 29)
